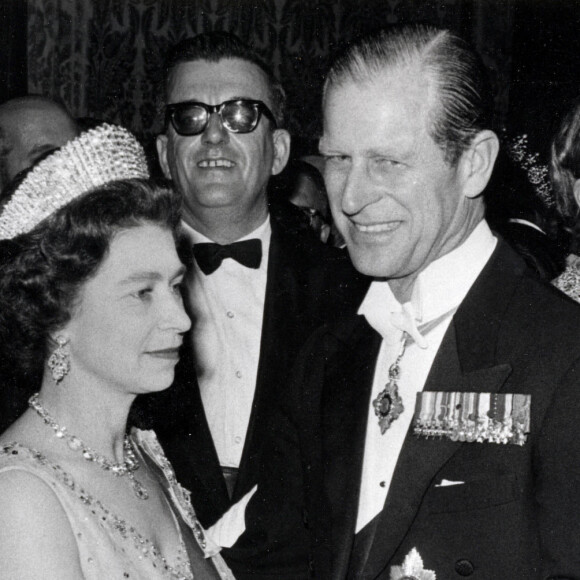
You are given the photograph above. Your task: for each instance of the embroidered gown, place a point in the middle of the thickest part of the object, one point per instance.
(569, 280)
(110, 547)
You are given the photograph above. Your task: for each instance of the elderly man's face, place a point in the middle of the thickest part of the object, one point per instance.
(31, 131)
(395, 200)
(218, 170)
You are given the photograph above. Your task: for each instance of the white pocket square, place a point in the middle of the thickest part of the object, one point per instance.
(447, 483)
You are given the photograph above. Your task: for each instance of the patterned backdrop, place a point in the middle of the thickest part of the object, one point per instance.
(103, 58)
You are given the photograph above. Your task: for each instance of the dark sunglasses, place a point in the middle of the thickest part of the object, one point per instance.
(237, 116)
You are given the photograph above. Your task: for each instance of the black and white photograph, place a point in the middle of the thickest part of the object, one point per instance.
(289, 289)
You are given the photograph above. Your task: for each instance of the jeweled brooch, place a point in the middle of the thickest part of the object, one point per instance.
(388, 405)
(412, 569)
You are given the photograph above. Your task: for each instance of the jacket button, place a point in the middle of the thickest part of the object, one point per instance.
(305, 519)
(464, 567)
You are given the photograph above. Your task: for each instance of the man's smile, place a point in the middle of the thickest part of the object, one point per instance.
(213, 163)
(377, 228)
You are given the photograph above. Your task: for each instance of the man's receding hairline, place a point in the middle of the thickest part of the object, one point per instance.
(372, 75)
(409, 54)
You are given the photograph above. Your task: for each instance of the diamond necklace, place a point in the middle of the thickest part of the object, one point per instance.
(126, 467)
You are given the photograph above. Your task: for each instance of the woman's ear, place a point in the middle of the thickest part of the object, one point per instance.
(57, 337)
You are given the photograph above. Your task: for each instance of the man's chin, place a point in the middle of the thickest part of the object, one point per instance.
(375, 264)
(213, 195)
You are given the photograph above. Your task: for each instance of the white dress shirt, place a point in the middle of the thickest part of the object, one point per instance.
(227, 308)
(438, 290)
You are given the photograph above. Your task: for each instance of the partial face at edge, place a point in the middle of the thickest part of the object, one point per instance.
(395, 200)
(32, 131)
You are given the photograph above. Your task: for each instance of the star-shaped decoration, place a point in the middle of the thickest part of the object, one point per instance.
(388, 405)
(412, 569)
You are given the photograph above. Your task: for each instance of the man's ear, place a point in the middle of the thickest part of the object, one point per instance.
(577, 192)
(281, 150)
(476, 162)
(161, 144)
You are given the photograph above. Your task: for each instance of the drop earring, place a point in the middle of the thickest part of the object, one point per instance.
(59, 360)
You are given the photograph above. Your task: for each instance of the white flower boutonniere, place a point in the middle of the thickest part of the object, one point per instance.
(412, 569)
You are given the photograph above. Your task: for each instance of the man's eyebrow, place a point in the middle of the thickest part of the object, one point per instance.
(384, 152)
(243, 97)
(324, 148)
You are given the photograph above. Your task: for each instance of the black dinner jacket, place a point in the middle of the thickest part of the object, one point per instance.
(516, 515)
(308, 283)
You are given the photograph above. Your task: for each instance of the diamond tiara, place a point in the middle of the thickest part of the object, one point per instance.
(103, 154)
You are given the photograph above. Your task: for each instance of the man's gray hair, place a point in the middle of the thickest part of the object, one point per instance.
(463, 102)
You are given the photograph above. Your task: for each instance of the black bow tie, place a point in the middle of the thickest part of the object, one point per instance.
(210, 256)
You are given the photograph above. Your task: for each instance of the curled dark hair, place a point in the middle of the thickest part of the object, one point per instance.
(565, 165)
(43, 271)
(219, 45)
(463, 100)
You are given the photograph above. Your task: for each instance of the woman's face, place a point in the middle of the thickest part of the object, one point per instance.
(127, 326)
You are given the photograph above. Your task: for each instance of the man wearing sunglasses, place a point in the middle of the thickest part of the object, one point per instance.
(255, 290)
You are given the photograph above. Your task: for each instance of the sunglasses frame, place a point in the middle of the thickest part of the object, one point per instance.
(259, 107)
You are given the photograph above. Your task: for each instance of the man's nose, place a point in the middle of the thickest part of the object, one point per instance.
(357, 189)
(215, 132)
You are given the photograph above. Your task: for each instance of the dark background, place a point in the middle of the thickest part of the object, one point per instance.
(103, 57)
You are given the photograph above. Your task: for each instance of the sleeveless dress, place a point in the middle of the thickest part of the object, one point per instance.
(109, 546)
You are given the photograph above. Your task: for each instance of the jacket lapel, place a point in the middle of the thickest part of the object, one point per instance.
(345, 405)
(191, 444)
(306, 285)
(280, 317)
(465, 362)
